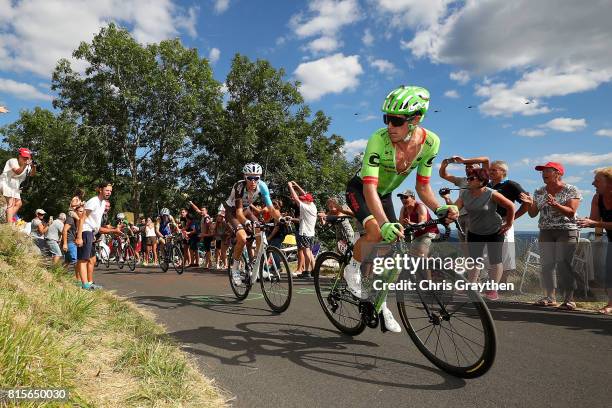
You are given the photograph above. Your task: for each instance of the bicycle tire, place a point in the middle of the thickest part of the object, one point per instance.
(102, 257)
(163, 258)
(130, 258)
(473, 326)
(240, 291)
(178, 261)
(338, 304)
(275, 279)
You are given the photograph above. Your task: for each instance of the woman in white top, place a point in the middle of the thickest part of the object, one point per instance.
(15, 172)
(151, 241)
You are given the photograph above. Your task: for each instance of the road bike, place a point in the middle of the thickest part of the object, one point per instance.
(268, 265)
(453, 329)
(122, 252)
(171, 253)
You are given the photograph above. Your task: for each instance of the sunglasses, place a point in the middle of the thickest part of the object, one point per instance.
(252, 178)
(397, 121)
(405, 197)
(471, 178)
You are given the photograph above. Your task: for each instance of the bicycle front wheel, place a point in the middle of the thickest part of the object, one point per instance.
(275, 279)
(130, 258)
(454, 330)
(338, 303)
(104, 256)
(178, 262)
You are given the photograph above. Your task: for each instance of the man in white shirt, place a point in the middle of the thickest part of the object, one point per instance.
(15, 172)
(306, 233)
(88, 226)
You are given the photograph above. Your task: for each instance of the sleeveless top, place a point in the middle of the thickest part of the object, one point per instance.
(414, 217)
(606, 215)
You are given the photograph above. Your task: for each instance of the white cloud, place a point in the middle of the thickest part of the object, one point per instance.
(530, 132)
(451, 93)
(332, 74)
(368, 118)
(323, 44)
(564, 55)
(22, 91)
(463, 77)
(36, 33)
(213, 55)
(580, 159)
(604, 132)
(383, 66)
(221, 6)
(326, 18)
(414, 13)
(572, 179)
(354, 147)
(368, 38)
(565, 124)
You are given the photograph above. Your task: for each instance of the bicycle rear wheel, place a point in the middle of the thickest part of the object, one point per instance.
(455, 331)
(130, 258)
(103, 257)
(242, 290)
(338, 303)
(275, 279)
(178, 262)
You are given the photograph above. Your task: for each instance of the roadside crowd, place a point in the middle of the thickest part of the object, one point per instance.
(486, 201)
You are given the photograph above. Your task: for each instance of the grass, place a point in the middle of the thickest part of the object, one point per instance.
(103, 349)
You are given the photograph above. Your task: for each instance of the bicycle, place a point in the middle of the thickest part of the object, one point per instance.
(125, 253)
(436, 320)
(171, 253)
(270, 267)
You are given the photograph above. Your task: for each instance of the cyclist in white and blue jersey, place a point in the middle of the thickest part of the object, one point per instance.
(239, 216)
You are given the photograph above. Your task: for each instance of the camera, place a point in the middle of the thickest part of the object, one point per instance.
(38, 166)
(444, 191)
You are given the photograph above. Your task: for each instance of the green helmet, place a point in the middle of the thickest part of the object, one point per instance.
(407, 100)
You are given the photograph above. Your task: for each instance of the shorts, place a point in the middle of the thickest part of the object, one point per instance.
(207, 243)
(10, 190)
(86, 252)
(493, 242)
(71, 254)
(230, 215)
(508, 251)
(54, 248)
(425, 239)
(151, 241)
(193, 243)
(304, 241)
(357, 203)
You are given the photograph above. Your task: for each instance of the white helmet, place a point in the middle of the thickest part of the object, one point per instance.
(252, 168)
(121, 216)
(164, 211)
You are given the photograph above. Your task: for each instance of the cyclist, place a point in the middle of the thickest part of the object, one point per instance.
(165, 225)
(239, 215)
(392, 153)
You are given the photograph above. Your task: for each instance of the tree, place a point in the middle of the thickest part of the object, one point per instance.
(147, 102)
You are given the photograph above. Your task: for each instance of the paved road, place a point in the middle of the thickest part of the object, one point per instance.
(298, 359)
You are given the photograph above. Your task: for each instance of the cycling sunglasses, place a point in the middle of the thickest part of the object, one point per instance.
(252, 178)
(397, 121)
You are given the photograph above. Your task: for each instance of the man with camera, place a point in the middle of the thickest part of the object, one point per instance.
(15, 172)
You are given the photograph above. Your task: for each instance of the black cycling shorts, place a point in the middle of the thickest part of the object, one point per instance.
(357, 202)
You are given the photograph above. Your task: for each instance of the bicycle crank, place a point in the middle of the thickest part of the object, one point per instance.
(368, 314)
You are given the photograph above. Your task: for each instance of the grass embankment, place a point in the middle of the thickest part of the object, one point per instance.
(104, 350)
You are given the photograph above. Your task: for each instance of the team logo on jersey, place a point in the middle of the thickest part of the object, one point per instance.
(430, 161)
(374, 160)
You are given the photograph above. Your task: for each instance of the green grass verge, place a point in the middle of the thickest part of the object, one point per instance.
(103, 349)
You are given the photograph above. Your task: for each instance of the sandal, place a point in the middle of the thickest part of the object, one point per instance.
(569, 306)
(546, 301)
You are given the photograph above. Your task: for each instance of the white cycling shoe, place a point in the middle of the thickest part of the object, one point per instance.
(390, 323)
(236, 277)
(352, 276)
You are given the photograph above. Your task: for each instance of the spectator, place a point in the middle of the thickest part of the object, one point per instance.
(222, 237)
(39, 230)
(485, 224)
(88, 226)
(53, 236)
(192, 234)
(512, 190)
(207, 236)
(344, 229)
(15, 171)
(601, 217)
(308, 219)
(556, 202)
(281, 228)
(413, 212)
(151, 240)
(76, 201)
(461, 182)
(68, 236)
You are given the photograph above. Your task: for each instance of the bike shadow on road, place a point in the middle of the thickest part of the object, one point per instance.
(575, 320)
(321, 350)
(217, 303)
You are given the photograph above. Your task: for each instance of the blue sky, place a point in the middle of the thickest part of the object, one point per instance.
(492, 55)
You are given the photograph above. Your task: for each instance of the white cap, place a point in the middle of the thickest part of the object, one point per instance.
(40, 211)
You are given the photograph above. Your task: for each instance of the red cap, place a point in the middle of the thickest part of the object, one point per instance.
(23, 152)
(307, 197)
(552, 165)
